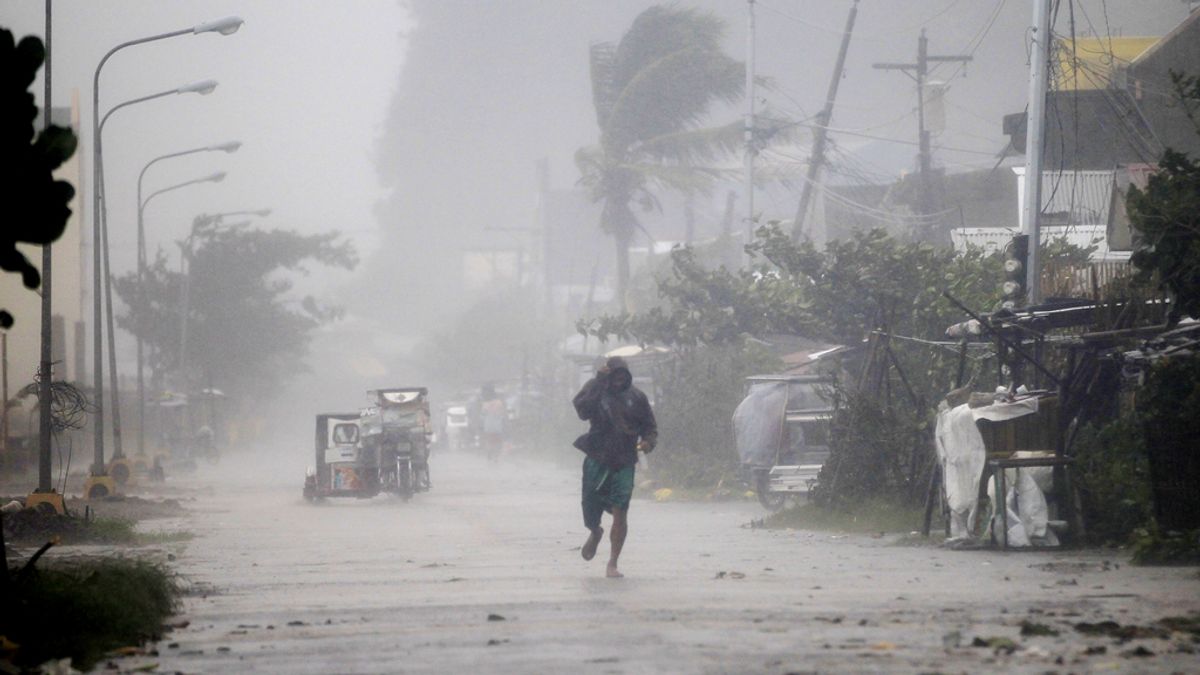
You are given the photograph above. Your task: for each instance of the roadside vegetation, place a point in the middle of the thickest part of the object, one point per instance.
(842, 294)
(895, 297)
(31, 528)
(85, 609)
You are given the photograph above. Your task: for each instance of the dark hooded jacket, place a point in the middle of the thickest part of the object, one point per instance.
(618, 418)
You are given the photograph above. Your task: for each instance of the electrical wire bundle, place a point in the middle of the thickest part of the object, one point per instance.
(69, 407)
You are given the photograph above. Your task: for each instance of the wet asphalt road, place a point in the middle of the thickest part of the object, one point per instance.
(483, 574)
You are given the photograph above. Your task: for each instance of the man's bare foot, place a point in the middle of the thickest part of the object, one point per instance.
(589, 547)
(612, 572)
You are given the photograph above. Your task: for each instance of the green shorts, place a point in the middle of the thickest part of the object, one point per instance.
(604, 489)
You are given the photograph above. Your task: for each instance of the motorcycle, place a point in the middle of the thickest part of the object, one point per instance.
(383, 448)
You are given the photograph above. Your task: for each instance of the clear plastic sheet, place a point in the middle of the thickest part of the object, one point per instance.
(758, 423)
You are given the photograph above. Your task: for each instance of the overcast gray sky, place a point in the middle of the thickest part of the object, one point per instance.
(489, 88)
(304, 84)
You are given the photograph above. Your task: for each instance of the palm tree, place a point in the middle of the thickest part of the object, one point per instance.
(651, 92)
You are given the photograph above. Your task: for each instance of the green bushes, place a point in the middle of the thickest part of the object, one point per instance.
(877, 452)
(86, 609)
(1137, 474)
(699, 391)
(1169, 406)
(1113, 477)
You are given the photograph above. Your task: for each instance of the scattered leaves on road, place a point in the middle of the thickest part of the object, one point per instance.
(1032, 629)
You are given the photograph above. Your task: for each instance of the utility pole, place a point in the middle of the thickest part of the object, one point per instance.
(748, 129)
(823, 120)
(1034, 140)
(4, 392)
(46, 367)
(918, 72)
(114, 383)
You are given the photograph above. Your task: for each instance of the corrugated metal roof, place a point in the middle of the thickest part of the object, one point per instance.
(994, 239)
(1083, 197)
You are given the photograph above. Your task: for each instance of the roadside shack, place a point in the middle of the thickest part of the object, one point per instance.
(1006, 460)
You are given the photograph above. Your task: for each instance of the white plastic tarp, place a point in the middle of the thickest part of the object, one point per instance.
(1028, 514)
(962, 454)
(758, 423)
(960, 450)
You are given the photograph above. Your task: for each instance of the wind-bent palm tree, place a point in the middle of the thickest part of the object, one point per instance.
(651, 92)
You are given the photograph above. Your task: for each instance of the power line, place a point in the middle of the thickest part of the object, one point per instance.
(855, 132)
(870, 37)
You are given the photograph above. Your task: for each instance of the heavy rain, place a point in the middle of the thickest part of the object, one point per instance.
(702, 336)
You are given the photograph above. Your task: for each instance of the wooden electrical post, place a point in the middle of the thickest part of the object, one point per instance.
(918, 72)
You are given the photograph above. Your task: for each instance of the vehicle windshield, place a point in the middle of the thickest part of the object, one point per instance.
(345, 434)
(806, 396)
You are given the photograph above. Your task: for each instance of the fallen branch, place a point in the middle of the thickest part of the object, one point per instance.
(27, 569)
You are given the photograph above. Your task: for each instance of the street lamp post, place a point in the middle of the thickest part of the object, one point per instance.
(229, 147)
(225, 26)
(204, 88)
(213, 178)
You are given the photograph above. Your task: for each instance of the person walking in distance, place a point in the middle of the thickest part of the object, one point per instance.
(622, 424)
(495, 418)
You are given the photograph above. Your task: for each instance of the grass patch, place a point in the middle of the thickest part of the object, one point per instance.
(864, 518)
(173, 537)
(122, 531)
(30, 527)
(85, 609)
(106, 531)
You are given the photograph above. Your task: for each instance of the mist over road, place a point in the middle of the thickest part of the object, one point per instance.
(282, 586)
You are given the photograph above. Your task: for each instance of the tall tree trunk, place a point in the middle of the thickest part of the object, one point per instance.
(622, 238)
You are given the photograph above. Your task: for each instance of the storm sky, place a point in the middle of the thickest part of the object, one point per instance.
(413, 126)
(488, 89)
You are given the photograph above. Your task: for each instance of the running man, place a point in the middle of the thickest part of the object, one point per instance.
(622, 424)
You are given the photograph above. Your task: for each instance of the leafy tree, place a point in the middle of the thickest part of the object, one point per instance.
(1167, 214)
(36, 203)
(698, 392)
(839, 294)
(244, 333)
(651, 92)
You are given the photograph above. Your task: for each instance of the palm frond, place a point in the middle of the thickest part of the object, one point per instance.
(601, 58)
(685, 179)
(671, 94)
(693, 145)
(590, 162)
(660, 31)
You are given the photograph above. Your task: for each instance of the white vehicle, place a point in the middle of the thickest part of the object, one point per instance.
(458, 427)
(782, 433)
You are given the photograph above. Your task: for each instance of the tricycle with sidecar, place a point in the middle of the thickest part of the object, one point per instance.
(781, 431)
(383, 448)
